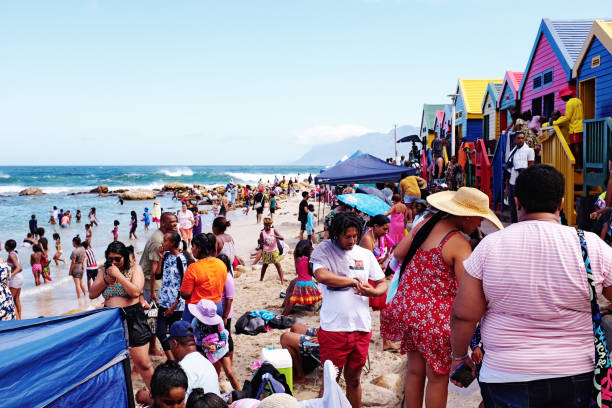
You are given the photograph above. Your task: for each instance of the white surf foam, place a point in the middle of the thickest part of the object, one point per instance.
(177, 172)
(54, 284)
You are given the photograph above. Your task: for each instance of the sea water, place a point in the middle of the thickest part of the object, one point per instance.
(57, 182)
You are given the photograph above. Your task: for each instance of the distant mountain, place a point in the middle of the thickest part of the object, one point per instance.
(376, 144)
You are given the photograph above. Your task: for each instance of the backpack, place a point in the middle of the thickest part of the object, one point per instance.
(179, 266)
(250, 325)
(267, 379)
(281, 322)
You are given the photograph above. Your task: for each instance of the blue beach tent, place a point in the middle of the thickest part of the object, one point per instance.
(77, 360)
(363, 169)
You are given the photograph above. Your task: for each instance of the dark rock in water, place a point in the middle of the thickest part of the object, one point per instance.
(31, 191)
(101, 189)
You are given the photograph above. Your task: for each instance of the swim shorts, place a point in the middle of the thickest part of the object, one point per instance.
(345, 348)
(303, 225)
(16, 281)
(92, 273)
(139, 332)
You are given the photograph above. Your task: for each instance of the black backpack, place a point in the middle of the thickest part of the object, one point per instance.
(251, 388)
(250, 325)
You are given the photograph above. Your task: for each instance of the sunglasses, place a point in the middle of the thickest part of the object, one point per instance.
(115, 258)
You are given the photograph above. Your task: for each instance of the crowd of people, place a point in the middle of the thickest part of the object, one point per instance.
(451, 299)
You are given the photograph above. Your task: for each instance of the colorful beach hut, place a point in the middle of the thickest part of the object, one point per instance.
(509, 97)
(428, 119)
(593, 74)
(468, 108)
(447, 124)
(438, 123)
(77, 360)
(550, 63)
(490, 113)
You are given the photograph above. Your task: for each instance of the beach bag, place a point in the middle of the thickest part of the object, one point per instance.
(258, 205)
(378, 302)
(251, 325)
(602, 386)
(251, 388)
(151, 314)
(509, 164)
(281, 322)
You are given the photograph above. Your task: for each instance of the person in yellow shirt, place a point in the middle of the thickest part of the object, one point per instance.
(573, 118)
(410, 188)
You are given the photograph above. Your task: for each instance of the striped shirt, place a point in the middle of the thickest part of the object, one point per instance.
(538, 314)
(91, 259)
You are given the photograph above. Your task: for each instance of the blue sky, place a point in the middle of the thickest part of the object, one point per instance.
(241, 82)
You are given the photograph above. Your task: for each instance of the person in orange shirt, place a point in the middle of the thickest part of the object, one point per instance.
(204, 279)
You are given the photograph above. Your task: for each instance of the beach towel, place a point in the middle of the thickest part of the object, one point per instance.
(264, 314)
(333, 397)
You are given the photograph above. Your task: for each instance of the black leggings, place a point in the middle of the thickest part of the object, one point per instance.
(163, 326)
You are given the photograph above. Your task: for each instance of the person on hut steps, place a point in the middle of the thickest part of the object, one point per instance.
(544, 357)
(573, 115)
(343, 268)
(521, 157)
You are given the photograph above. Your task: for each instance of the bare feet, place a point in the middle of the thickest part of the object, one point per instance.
(389, 346)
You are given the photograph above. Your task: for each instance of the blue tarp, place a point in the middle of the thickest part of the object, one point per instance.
(363, 169)
(65, 360)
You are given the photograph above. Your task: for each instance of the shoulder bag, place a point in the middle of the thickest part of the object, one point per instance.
(602, 380)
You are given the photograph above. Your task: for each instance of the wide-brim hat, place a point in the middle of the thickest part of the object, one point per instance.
(279, 401)
(465, 202)
(206, 312)
(156, 202)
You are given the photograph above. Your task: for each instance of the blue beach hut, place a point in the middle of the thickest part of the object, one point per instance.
(78, 360)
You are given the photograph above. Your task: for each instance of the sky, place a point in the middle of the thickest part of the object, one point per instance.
(241, 82)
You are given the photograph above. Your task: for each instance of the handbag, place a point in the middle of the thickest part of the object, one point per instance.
(151, 314)
(602, 389)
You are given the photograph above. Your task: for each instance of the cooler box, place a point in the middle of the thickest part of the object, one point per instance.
(281, 360)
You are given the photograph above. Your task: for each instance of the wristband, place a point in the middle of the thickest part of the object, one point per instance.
(460, 358)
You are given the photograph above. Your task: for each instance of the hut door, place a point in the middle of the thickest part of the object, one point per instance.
(587, 96)
(485, 127)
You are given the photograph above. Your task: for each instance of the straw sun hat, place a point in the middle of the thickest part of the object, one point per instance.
(465, 202)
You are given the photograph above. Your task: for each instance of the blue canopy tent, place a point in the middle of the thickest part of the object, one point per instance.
(77, 360)
(363, 169)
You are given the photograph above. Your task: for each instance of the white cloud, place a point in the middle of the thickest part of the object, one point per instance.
(327, 134)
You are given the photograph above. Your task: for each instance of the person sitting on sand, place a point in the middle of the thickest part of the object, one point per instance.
(169, 385)
(303, 345)
(200, 372)
(212, 338)
(303, 290)
(36, 260)
(120, 283)
(58, 249)
(270, 249)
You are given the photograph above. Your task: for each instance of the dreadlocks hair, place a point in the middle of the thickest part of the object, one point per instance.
(343, 221)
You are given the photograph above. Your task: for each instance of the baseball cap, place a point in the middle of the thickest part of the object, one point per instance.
(181, 329)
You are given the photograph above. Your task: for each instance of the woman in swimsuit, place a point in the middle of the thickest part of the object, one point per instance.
(58, 249)
(16, 281)
(120, 282)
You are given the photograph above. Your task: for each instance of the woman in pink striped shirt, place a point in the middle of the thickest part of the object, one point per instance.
(528, 284)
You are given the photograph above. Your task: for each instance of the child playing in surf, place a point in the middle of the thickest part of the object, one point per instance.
(58, 249)
(36, 262)
(115, 230)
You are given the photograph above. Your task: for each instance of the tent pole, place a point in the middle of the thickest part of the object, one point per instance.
(319, 212)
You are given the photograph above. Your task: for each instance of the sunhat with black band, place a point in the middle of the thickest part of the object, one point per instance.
(465, 202)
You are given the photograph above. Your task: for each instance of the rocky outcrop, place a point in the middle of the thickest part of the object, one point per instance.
(174, 187)
(138, 195)
(101, 189)
(31, 191)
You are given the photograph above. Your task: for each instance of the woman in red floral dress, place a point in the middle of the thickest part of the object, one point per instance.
(419, 313)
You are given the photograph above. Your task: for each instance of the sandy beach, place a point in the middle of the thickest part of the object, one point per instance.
(382, 383)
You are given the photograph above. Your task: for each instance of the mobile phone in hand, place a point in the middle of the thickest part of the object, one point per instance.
(463, 375)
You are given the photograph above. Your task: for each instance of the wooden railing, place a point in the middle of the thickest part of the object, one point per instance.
(483, 169)
(597, 139)
(556, 152)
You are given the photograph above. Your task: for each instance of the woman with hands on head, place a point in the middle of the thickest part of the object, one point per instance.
(120, 282)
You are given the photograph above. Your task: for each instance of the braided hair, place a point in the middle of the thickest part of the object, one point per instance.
(342, 222)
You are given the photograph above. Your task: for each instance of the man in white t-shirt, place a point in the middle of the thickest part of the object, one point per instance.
(343, 268)
(200, 371)
(522, 157)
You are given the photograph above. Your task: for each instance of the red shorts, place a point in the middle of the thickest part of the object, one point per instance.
(575, 138)
(344, 348)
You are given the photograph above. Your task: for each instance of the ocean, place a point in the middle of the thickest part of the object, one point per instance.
(57, 182)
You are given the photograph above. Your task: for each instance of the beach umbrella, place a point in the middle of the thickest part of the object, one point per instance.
(410, 138)
(365, 203)
(373, 191)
